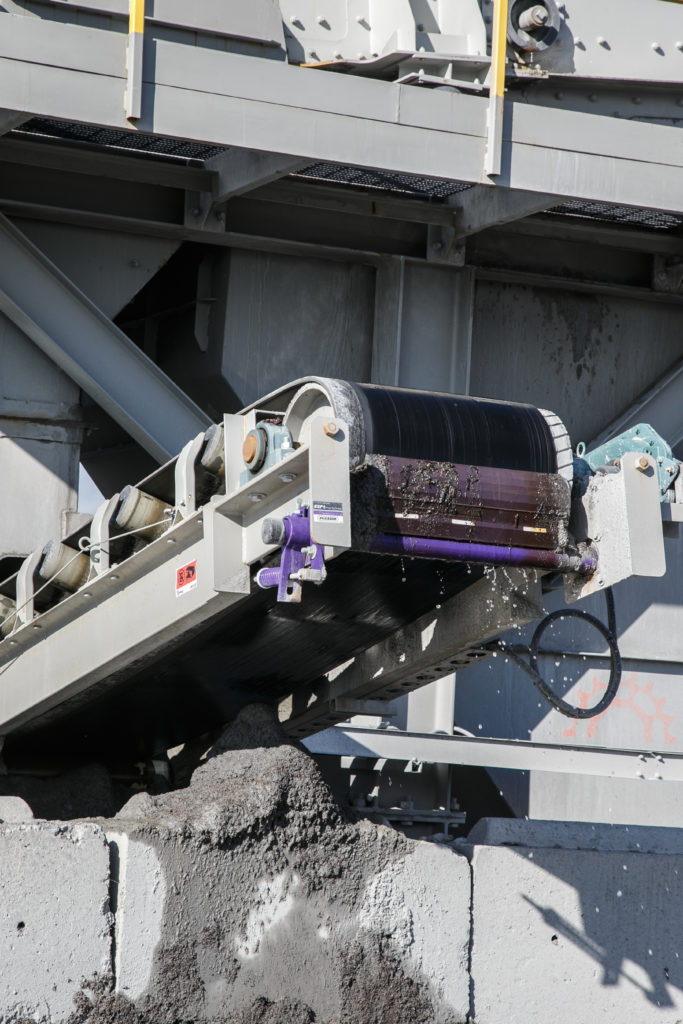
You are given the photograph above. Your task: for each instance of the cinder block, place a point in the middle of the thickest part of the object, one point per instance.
(576, 935)
(55, 925)
(421, 907)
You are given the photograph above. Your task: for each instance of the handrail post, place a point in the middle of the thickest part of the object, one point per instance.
(136, 35)
(494, 140)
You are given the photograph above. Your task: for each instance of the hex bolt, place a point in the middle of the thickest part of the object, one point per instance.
(330, 428)
(533, 17)
(642, 463)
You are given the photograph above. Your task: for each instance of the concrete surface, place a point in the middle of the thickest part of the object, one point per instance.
(575, 835)
(576, 936)
(13, 808)
(138, 897)
(250, 898)
(55, 925)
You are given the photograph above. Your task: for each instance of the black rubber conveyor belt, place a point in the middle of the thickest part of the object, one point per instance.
(453, 428)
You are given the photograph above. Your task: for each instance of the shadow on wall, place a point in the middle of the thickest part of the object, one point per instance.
(625, 917)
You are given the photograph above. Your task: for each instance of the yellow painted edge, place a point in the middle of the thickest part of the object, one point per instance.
(136, 21)
(499, 46)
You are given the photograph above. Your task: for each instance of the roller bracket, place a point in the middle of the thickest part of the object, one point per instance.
(301, 561)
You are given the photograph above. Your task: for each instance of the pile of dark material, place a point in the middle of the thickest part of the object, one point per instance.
(265, 881)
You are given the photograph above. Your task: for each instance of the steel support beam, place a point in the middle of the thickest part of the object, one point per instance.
(80, 339)
(241, 170)
(10, 119)
(521, 755)
(230, 99)
(136, 167)
(486, 206)
(660, 406)
(436, 644)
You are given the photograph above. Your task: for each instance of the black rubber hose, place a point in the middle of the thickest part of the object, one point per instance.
(609, 632)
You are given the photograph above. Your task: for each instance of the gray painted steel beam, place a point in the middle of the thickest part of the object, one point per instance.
(334, 197)
(436, 644)
(661, 406)
(139, 167)
(229, 99)
(241, 170)
(79, 338)
(522, 755)
(10, 119)
(489, 206)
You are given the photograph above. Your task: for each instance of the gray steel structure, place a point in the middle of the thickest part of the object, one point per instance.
(306, 191)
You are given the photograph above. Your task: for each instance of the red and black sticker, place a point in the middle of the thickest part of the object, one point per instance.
(186, 578)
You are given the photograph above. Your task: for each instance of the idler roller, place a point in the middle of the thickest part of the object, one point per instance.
(142, 513)
(8, 615)
(66, 568)
(213, 454)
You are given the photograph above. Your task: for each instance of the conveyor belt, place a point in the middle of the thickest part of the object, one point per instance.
(258, 651)
(453, 428)
(457, 473)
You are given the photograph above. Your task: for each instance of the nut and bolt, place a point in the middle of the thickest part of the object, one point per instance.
(330, 428)
(533, 17)
(642, 463)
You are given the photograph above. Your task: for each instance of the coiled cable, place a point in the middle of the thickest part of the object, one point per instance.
(609, 632)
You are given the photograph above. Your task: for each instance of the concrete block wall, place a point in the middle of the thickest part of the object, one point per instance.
(248, 899)
(582, 933)
(55, 922)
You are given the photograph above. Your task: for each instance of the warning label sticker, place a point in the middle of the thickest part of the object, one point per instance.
(328, 512)
(186, 579)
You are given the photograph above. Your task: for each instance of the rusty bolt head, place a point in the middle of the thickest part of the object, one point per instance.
(642, 462)
(249, 449)
(331, 428)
